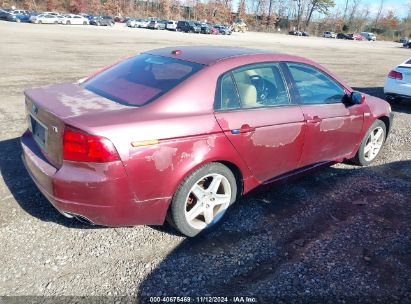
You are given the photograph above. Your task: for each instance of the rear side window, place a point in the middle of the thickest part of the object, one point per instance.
(228, 98)
(314, 86)
(141, 79)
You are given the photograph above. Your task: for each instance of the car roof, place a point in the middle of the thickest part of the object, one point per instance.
(206, 55)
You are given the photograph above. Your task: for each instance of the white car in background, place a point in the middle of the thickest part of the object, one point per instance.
(137, 23)
(329, 35)
(44, 18)
(171, 25)
(369, 36)
(398, 82)
(74, 19)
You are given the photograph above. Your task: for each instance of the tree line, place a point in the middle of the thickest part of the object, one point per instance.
(313, 16)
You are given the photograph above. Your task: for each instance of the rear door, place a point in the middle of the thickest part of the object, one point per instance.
(333, 127)
(254, 109)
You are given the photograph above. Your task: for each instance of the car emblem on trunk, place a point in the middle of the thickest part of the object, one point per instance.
(34, 108)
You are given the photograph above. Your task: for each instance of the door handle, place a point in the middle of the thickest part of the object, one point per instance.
(315, 119)
(244, 129)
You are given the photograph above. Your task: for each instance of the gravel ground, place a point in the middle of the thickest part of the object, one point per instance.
(342, 234)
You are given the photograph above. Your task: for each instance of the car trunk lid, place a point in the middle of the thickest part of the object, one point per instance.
(405, 70)
(48, 107)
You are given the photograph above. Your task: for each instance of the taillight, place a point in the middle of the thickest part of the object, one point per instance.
(83, 147)
(395, 75)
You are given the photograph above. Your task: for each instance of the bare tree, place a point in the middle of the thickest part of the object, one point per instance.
(377, 17)
(353, 10)
(321, 6)
(346, 9)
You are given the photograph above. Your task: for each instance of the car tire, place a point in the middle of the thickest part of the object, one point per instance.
(392, 99)
(18, 20)
(68, 22)
(205, 213)
(371, 145)
(98, 23)
(84, 22)
(39, 22)
(56, 22)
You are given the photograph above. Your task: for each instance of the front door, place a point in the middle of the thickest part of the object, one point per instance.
(333, 126)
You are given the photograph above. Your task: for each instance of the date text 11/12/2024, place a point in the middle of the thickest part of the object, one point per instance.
(202, 299)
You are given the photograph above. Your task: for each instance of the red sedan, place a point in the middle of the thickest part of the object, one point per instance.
(186, 131)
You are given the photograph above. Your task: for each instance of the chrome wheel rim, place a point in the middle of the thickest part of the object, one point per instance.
(373, 144)
(207, 201)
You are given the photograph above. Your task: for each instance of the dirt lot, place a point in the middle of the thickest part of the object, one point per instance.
(343, 232)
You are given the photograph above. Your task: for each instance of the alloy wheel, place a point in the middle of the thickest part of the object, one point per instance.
(373, 144)
(207, 201)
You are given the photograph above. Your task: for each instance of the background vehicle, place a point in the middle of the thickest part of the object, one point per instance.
(171, 25)
(46, 19)
(397, 85)
(137, 23)
(403, 40)
(407, 44)
(223, 30)
(120, 19)
(344, 36)
(305, 34)
(329, 35)
(102, 20)
(18, 16)
(4, 14)
(207, 28)
(188, 27)
(356, 36)
(295, 33)
(74, 19)
(89, 17)
(369, 36)
(157, 25)
(245, 130)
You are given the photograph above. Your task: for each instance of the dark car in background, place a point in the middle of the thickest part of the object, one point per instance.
(344, 36)
(205, 28)
(4, 13)
(19, 16)
(102, 20)
(223, 29)
(295, 33)
(188, 27)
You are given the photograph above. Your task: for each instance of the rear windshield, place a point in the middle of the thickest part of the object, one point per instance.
(141, 79)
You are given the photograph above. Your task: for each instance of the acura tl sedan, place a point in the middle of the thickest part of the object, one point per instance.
(181, 133)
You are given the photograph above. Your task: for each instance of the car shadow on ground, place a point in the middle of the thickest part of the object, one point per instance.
(25, 191)
(403, 106)
(342, 232)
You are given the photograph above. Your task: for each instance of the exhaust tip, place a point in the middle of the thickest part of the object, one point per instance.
(80, 218)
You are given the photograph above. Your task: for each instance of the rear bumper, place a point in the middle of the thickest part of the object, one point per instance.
(98, 192)
(395, 88)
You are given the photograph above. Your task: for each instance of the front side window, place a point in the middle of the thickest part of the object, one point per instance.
(314, 86)
(141, 79)
(261, 85)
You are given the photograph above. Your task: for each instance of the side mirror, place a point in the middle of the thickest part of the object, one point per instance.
(357, 98)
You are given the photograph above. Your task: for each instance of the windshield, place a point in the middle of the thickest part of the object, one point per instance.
(141, 79)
